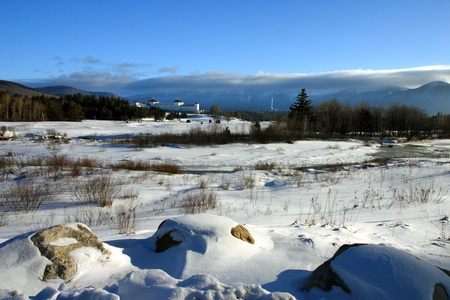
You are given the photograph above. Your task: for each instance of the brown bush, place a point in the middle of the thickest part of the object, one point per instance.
(133, 165)
(166, 167)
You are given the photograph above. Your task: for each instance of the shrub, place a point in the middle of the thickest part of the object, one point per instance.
(131, 193)
(203, 184)
(166, 167)
(125, 217)
(264, 166)
(247, 181)
(139, 165)
(298, 178)
(132, 165)
(3, 219)
(142, 140)
(90, 217)
(99, 190)
(197, 202)
(25, 196)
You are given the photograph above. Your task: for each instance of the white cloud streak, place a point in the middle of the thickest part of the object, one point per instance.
(319, 82)
(124, 80)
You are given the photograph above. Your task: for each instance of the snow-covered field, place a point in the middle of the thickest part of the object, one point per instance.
(300, 202)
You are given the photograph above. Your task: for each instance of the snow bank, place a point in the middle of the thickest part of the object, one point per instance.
(206, 244)
(382, 272)
(156, 284)
(22, 266)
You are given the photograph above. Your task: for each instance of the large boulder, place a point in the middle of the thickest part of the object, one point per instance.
(57, 242)
(71, 254)
(378, 272)
(196, 230)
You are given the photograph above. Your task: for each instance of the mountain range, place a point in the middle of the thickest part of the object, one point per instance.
(67, 90)
(432, 97)
(15, 88)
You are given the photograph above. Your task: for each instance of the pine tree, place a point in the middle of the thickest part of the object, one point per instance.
(302, 108)
(301, 113)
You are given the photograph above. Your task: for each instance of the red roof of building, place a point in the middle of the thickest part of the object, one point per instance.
(153, 100)
(178, 100)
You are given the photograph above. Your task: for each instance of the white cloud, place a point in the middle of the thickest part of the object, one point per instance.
(316, 82)
(123, 80)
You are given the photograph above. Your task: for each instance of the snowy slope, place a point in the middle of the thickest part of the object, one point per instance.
(299, 211)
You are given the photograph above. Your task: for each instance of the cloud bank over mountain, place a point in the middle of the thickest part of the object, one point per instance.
(125, 79)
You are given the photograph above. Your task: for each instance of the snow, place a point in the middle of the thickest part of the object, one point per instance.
(393, 274)
(318, 196)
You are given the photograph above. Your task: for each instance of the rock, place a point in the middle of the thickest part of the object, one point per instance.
(324, 277)
(240, 232)
(379, 272)
(439, 293)
(63, 265)
(165, 242)
(196, 232)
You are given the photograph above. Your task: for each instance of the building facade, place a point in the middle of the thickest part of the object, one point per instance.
(176, 105)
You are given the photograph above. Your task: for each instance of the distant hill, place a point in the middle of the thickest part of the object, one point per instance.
(67, 90)
(15, 88)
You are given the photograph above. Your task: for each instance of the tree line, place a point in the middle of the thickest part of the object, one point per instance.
(14, 108)
(328, 119)
(333, 118)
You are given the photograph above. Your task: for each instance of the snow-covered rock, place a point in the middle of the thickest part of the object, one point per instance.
(22, 265)
(376, 272)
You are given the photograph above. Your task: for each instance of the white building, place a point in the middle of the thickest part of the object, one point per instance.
(139, 104)
(176, 105)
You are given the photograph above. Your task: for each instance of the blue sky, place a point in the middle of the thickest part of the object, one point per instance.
(130, 47)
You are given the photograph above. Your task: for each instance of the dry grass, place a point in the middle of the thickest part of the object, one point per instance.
(3, 219)
(90, 216)
(125, 217)
(420, 194)
(131, 193)
(133, 165)
(198, 202)
(247, 181)
(166, 167)
(203, 183)
(264, 166)
(139, 165)
(25, 196)
(100, 190)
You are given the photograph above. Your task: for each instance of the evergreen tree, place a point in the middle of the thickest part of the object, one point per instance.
(302, 108)
(301, 113)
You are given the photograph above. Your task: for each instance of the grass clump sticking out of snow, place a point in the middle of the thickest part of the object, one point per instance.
(99, 190)
(140, 165)
(198, 202)
(25, 196)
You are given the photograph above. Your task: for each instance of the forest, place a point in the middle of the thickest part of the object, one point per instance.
(15, 108)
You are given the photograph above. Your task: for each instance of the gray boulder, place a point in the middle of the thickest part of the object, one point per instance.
(63, 265)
